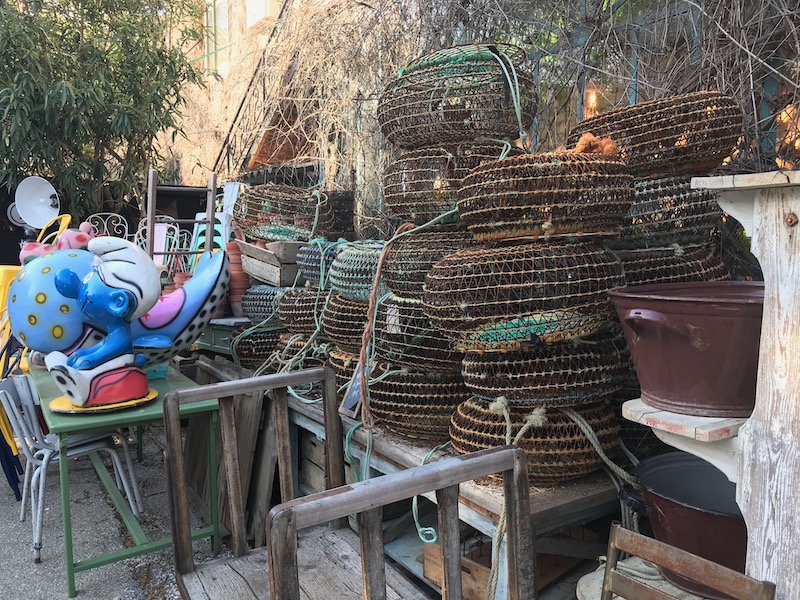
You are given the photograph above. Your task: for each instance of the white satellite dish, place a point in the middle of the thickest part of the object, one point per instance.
(37, 201)
(13, 215)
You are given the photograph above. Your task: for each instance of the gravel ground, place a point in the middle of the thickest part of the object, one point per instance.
(96, 529)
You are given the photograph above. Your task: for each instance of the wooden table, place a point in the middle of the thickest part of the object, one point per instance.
(66, 424)
(570, 503)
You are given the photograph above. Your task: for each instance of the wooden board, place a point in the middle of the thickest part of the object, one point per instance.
(702, 429)
(277, 275)
(275, 253)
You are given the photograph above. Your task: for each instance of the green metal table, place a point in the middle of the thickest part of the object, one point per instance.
(65, 424)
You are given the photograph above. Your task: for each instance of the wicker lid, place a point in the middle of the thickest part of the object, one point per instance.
(546, 195)
(457, 95)
(502, 297)
(344, 321)
(557, 449)
(274, 212)
(689, 134)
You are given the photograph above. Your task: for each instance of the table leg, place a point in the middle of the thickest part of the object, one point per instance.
(213, 420)
(63, 472)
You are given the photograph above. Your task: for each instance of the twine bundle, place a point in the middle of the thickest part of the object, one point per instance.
(404, 336)
(668, 265)
(459, 94)
(260, 302)
(314, 260)
(300, 310)
(409, 258)
(353, 270)
(422, 184)
(546, 195)
(280, 212)
(416, 404)
(689, 134)
(668, 211)
(343, 322)
(502, 297)
(556, 448)
(578, 372)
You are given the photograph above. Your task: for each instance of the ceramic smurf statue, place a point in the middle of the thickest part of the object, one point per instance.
(122, 285)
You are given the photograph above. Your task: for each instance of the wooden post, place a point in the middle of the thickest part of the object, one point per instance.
(152, 185)
(768, 205)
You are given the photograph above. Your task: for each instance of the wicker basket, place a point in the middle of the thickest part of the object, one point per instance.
(457, 95)
(353, 270)
(256, 347)
(423, 184)
(344, 321)
(290, 344)
(546, 195)
(409, 259)
(668, 211)
(680, 135)
(667, 265)
(300, 310)
(567, 374)
(557, 451)
(281, 212)
(310, 261)
(416, 404)
(260, 303)
(502, 297)
(343, 364)
(404, 336)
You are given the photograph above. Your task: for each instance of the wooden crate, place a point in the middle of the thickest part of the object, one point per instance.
(476, 566)
(276, 264)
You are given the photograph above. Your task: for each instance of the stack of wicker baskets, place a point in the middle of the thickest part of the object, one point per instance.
(670, 231)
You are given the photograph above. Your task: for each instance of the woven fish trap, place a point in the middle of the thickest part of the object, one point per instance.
(667, 265)
(257, 346)
(404, 336)
(300, 309)
(546, 195)
(409, 258)
(291, 344)
(344, 321)
(416, 404)
(314, 260)
(689, 134)
(668, 211)
(260, 302)
(275, 212)
(503, 297)
(557, 450)
(422, 184)
(577, 372)
(457, 95)
(343, 364)
(353, 270)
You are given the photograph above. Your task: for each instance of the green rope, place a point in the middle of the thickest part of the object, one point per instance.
(428, 535)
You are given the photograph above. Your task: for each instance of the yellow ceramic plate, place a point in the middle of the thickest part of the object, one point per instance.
(63, 405)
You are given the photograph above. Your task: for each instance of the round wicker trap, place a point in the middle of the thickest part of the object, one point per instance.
(672, 265)
(546, 195)
(416, 404)
(353, 270)
(458, 94)
(503, 297)
(343, 364)
(404, 336)
(256, 347)
(280, 212)
(300, 310)
(291, 344)
(310, 261)
(557, 450)
(422, 184)
(689, 134)
(567, 374)
(409, 258)
(668, 211)
(344, 321)
(260, 302)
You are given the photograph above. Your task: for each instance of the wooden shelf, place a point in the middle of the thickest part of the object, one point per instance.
(702, 429)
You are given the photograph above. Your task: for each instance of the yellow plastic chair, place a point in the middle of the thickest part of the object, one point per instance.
(48, 235)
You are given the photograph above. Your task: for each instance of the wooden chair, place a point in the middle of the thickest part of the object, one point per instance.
(712, 575)
(328, 556)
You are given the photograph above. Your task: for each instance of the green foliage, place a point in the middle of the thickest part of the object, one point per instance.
(85, 87)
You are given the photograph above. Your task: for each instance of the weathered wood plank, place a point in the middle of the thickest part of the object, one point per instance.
(371, 538)
(263, 478)
(450, 542)
(702, 429)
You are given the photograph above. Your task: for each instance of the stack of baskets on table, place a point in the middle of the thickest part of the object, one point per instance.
(450, 111)
(670, 233)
